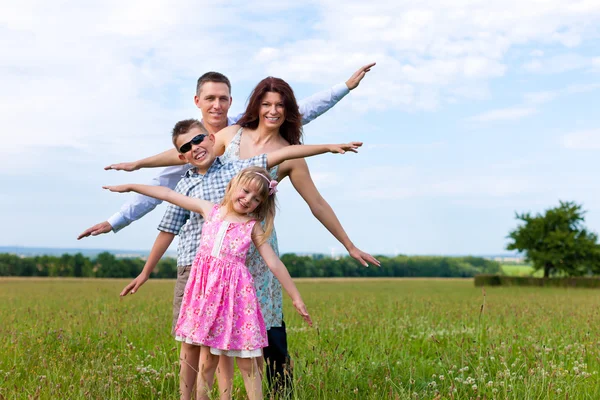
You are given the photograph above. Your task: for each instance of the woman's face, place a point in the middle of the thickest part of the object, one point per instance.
(272, 111)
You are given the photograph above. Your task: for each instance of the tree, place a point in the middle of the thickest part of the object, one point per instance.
(557, 241)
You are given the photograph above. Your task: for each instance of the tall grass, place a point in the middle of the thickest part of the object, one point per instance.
(374, 339)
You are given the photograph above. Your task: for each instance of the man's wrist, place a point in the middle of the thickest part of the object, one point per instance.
(117, 222)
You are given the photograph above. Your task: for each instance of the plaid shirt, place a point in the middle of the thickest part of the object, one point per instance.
(210, 187)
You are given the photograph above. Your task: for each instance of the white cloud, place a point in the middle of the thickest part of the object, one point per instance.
(105, 74)
(558, 64)
(536, 53)
(540, 97)
(390, 182)
(582, 140)
(504, 114)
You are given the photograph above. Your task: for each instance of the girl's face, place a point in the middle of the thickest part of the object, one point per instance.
(272, 110)
(246, 198)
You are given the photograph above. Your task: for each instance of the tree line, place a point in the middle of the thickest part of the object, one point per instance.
(106, 265)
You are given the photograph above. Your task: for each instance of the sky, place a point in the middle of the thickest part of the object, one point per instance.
(475, 110)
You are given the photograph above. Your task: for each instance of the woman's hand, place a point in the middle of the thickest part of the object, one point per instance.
(301, 308)
(364, 258)
(118, 188)
(342, 148)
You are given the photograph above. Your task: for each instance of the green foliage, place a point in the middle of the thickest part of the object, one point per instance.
(564, 282)
(399, 266)
(557, 242)
(106, 265)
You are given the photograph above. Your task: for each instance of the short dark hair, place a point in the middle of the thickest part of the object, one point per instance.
(183, 127)
(212, 77)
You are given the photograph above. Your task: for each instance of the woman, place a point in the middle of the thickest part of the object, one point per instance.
(272, 121)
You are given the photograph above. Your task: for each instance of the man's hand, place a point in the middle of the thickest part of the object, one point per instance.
(118, 188)
(134, 285)
(124, 166)
(364, 258)
(342, 148)
(356, 77)
(98, 229)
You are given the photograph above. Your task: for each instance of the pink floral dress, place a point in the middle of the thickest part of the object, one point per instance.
(220, 308)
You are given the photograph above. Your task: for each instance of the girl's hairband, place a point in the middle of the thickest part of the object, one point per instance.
(272, 184)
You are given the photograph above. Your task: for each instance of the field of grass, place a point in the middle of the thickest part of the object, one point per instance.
(520, 270)
(374, 339)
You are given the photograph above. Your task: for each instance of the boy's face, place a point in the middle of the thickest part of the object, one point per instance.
(200, 155)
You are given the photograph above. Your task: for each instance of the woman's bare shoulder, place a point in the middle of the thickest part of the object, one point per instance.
(228, 131)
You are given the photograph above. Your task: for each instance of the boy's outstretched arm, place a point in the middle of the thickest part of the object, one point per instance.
(280, 272)
(165, 159)
(162, 193)
(161, 244)
(307, 150)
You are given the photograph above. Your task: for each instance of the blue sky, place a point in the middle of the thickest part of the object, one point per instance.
(475, 110)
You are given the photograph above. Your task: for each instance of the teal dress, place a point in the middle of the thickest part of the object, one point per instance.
(268, 288)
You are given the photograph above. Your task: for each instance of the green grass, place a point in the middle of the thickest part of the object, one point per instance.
(520, 270)
(374, 339)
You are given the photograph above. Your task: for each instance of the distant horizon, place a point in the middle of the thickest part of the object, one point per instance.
(35, 250)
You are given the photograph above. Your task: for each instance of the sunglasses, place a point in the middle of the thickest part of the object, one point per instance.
(196, 140)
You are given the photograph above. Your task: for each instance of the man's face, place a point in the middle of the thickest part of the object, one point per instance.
(200, 155)
(214, 101)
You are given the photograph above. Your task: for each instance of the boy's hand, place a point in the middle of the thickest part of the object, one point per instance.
(124, 166)
(342, 148)
(118, 188)
(301, 308)
(134, 285)
(98, 229)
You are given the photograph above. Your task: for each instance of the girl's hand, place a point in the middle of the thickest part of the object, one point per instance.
(118, 188)
(301, 308)
(342, 148)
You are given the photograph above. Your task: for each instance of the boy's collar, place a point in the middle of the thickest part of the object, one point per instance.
(194, 170)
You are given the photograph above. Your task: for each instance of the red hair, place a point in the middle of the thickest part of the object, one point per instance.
(291, 129)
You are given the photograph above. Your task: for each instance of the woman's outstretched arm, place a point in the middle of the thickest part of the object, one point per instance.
(304, 185)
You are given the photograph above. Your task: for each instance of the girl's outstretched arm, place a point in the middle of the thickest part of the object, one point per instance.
(300, 151)
(162, 193)
(280, 272)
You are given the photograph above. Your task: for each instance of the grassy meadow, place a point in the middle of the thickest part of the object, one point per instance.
(520, 270)
(374, 339)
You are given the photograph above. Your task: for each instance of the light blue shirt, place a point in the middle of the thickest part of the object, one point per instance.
(140, 205)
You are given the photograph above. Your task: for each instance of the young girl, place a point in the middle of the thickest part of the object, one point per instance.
(220, 311)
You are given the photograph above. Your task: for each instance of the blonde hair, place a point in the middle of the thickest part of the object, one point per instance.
(265, 211)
